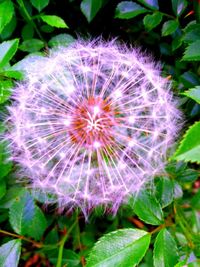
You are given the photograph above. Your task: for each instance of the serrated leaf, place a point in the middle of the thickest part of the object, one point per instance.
(165, 191)
(192, 52)
(147, 208)
(7, 51)
(61, 40)
(25, 216)
(32, 45)
(54, 21)
(169, 27)
(90, 8)
(179, 6)
(128, 10)
(151, 21)
(194, 93)
(124, 247)
(153, 4)
(189, 148)
(10, 253)
(192, 33)
(165, 250)
(40, 4)
(6, 13)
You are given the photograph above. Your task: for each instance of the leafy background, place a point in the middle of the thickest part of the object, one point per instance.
(161, 228)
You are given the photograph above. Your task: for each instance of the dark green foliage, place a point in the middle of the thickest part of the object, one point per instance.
(160, 227)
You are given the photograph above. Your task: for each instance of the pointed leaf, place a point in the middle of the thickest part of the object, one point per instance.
(31, 45)
(189, 148)
(151, 21)
(192, 52)
(165, 191)
(10, 253)
(7, 51)
(128, 10)
(6, 13)
(179, 6)
(124, 247)
(25, 217)
(147, 208)
(153, 4)
(54, 21)
(169, 27)
(194, 93)
(91, 7)
(62, 39)
(39, 4)
(165, 250)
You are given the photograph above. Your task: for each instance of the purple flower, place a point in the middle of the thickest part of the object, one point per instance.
(92, 123)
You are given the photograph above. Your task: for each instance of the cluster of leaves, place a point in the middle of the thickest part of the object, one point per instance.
(161, 226)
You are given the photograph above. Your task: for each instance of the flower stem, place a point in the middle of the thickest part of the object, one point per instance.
(29, 19)
(62, 243)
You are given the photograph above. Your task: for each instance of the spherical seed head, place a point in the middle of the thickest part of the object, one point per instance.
(92, 123)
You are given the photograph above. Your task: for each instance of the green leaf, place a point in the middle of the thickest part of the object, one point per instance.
(189, 79)
(165, 250)
(61, 40)
(177, 42)
(12, 194)
(69, 259)
(32, 45)
(179, 6)
(5, 91)
(25, 216)
(165, 191)
(14, 74)
(125, 247)
(5, 164)
(7, 51)
(193, 93)
(128, 10)
(192, 33)
(9, 29)
(192, 52)
(153, 4)
(6, 13)
(2, 188)
(147, 208)
(10, 253)
(27, 32)
(189, 148)
(54, 21)
(195, 201)
(169, 27)
(39, 4)
(151, 21)
(90, 8)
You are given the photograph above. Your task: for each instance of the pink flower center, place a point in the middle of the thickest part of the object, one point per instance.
(92, 123)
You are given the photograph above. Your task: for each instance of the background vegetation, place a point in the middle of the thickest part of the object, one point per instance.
(162, 227)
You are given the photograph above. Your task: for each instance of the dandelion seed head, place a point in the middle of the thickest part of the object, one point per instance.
(92, 123)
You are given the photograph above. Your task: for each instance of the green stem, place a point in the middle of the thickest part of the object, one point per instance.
(29, 19)
(62, 243)
(196, 4)
(180, 219)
